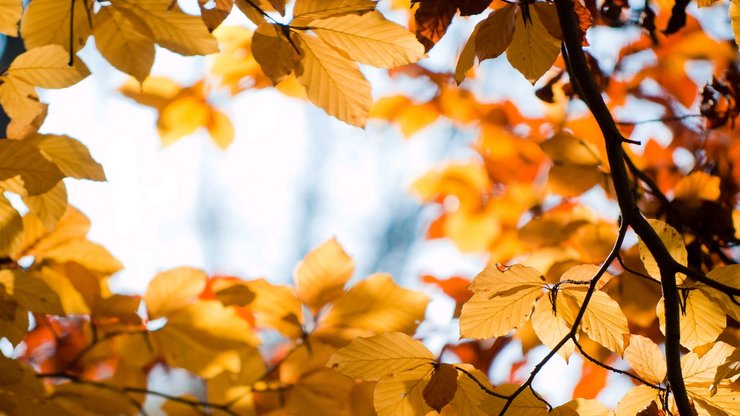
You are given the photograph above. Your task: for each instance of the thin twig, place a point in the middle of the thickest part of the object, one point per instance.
(615, 370)
(635, 272)
(481, 385)
(658, 120)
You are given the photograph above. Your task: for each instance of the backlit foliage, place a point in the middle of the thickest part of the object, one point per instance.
(531, 197)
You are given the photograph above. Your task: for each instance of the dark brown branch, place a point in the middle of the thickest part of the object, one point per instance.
(635, 272)
(615, 370)
(481, 385)
(631, 215)
(576, 322)
(658, 120)
(196, 404)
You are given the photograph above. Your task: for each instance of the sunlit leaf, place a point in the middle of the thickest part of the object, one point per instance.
(321, 275)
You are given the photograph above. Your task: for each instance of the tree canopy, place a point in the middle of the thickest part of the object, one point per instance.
(649, 295)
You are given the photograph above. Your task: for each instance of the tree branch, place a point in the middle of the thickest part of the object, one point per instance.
(615, 370)
(631, 215)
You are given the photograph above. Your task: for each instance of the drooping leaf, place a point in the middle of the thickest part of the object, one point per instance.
(172, 28)
(525, 404)
(636, 400)
(11, 227)
(702, 320)
(494, 34)
(727, 275)
(332, 81)
(47, 22)
(125, 40)
(378, 356)
(532, 50)
(49, 206)
(273, 52)
(214, 13)
(370, 39)
(551, 328)
(442, 387)
(603, 320)
(277, 307)
(432, 19)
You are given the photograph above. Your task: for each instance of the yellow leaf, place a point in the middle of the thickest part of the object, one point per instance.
(585, 273)
(47, 22)
(13, 320)
(172, 28)
(306, 11)
(636, 400)
(91, 255)
(574, 180)
(603, 320)
(24, 169)
(566, 148)
(332, 81)
(492, 280)
(204, 337)
(503, 300)
(374, 305)
(10, 14)
(11, 227)
(71, 298)
(697, 186)
(232, 292)
(469, 394)
(72, 226)
(727, 275)
(370, 39)
(734, 13)
(467, 57)
(31, 292)
(321, 275)
(182, 117)
(672, 241)
(273, 52)
(307, 358)
(375, 357)
(125, 40)
(320, 393)
(214, 13)
(645, 358)
(172, 290)
(495, 33)
(550, 328)
(277, 307)
(702, 319)
(400, 394)
(236, 388)
(589, 407)
(250, 12)
(70, 156)
(532, 50)
(18, 129)
(20, 101)
(525, 404)
(442, 387)
(700, 370)
(154, 92)
(220, 128)
(723, 401)
(47, 67)
(49, 206)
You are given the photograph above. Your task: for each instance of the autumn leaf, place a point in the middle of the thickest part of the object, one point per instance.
(525, 403)
(172, 290)
(402, 393)
(49, 206)
(494, 34)
(645, 358)
(672, 241)
(532, 50)
(125, 40)
(11, 14)
(701, 320)
(332, 81)
(503, 300)
(70, 156)
(277, 307)
(441, 388)
(172, 28)
(306, 11)
(273, 52)
(378, 356)
(11, 227)
(370, 39)
(47, 67)
(321, 275)
(24, 169)
(47, 22)
(31, 292)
